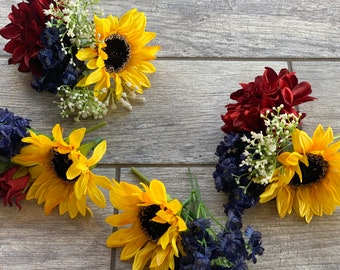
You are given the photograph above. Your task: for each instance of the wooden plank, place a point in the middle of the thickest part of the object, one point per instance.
(289, 243)
(31, 240)
(178, 124)
(323, 76)
(177, 185)
(235, 29)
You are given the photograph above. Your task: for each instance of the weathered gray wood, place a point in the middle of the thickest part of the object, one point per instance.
(233, 29)
(31, 240)
(178, 186)
(325, 80)
(179, 122)
(289, 243)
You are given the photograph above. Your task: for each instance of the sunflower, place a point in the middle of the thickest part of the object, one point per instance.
(60, 172)
(154, 234)
(308, 180)
(119, 53)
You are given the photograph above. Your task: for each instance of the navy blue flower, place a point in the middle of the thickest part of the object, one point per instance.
(12, 130)
(231, 245)
(230, 153)
(255, 241)
(198, 244)
(56, 67)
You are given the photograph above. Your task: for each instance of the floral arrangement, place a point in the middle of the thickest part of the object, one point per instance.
(165, 233)
(266, 155)
(54, 170)
(90, 62)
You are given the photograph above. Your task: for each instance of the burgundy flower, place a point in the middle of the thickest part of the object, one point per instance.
(13, 189)
(27, 23)
(267, 91)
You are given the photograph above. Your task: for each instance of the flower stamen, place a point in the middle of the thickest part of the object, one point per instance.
(153, 230)
(61, 163)
(118, 52)
(316, 170)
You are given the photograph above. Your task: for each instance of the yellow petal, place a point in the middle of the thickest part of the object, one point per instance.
(301, 141)
(72, 172)
(290, 159)
(98, 153)
(96, 195)
(119, 87)
(269, 193)
(122, 219)
(284, 201)
(104, 81)
(57, 133)
(86, 54)
(322, 138)
(80, 186)
(81, 205)
(158, 191)
(76, 137)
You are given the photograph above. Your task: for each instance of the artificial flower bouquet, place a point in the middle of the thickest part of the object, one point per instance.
(52, 169)
(90, 62)
(159, 232)
(266, 155)
(163, 233)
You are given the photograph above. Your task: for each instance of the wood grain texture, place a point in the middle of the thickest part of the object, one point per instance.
(31, 240)
(178, 124)
(208, 47)
(324, 79)
(289, 243)
(236, 28)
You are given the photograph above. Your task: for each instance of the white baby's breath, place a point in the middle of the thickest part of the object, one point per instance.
(262, 150)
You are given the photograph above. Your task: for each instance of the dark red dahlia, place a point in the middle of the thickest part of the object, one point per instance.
(13, 188)
(267, 91)
(27, 23)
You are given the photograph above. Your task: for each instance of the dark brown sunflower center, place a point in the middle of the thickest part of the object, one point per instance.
(60, 164)
(118, 52)
(316, 170)
(152, 229)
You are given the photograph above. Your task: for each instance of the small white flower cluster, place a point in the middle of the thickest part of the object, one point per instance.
(262, 150)
(80, 102)
(72, 18)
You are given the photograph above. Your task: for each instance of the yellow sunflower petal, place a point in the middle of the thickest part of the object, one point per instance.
(284, 201)
(143, 256)
(119, 87)
(81, 205)
(158, 191)
(104, 81)
(96, 195)
(81, 186)
(122, 219)
(301, 141)
(136, 206)
(321, 138)
(98, 153)
(158, 260)
(73, 172)
(290, 159)
(86, 54)
(131, 248)
(57, 133)
(269, 193)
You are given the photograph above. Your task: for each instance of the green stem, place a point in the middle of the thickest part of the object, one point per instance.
(141, 176)
(146, 180)
(95, 127)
